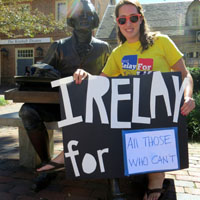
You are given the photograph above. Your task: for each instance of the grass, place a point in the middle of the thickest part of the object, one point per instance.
(3, 102)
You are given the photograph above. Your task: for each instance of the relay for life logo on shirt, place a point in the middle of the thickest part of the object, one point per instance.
(145, 64)
(130, 63)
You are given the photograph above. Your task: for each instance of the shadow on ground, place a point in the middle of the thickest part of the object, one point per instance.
(17, 182)
(8, 143)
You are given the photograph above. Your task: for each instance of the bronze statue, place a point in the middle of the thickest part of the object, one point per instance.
(81, 50)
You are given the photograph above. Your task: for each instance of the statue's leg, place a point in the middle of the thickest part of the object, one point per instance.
(40, 141)
(33, 117)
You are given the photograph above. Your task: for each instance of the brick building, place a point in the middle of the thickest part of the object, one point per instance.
(16, 54)
(101, 6)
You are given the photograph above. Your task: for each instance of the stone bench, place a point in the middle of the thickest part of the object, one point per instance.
(27, 155)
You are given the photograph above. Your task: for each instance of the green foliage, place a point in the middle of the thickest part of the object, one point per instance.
(195, 72)
(17, 19)
(3, 102)
(193, 120)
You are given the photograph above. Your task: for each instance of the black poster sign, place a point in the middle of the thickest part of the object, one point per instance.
(116, 127)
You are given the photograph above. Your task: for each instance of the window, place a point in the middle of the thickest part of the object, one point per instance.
(194, 16)
(198, 36)
(25, 53)
(193, 55)
(24, 58)
(61, 10)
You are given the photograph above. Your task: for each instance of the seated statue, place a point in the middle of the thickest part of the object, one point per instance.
(81, 50)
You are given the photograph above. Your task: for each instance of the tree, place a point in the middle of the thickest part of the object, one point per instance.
(17, 20)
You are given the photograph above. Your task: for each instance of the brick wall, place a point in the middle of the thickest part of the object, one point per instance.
(8, 63)
(101, 6)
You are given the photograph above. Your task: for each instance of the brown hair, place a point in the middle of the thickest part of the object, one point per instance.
(146, 37)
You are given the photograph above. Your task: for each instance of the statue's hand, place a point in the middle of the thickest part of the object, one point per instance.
(80, 75)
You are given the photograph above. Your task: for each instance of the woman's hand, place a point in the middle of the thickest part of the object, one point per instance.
(80, 75)
(188, 106)
(189, 103)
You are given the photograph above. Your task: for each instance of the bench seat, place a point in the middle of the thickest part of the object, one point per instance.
(27, 155)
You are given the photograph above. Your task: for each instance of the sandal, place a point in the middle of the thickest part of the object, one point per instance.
(56, 167)
(162, 191)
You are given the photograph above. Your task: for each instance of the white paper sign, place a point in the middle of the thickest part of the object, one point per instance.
(150, 150)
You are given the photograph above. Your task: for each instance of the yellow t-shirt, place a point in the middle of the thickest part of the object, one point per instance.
(127, 58)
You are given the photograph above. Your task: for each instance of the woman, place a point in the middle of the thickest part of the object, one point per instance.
(140, 48)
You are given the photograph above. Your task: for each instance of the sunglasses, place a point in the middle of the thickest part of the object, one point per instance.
(132, 18)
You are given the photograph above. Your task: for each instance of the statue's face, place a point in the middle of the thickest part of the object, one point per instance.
(83, 16)
(84, 20)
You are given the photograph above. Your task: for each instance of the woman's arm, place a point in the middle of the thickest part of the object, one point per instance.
(189, 103)
(103, 74)
(81, 74)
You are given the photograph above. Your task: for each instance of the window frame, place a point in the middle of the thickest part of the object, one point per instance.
(57, 14)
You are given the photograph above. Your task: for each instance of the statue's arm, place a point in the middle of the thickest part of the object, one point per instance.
(52, 56)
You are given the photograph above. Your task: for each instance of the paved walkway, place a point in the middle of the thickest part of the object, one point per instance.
(15, 181)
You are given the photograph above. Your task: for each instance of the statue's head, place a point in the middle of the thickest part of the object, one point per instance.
(81, 15)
